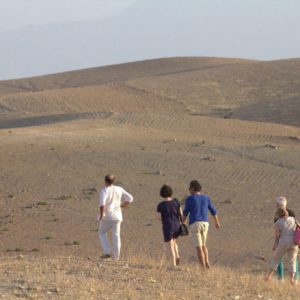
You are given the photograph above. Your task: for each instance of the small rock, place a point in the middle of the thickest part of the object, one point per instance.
(152, 280)
(227, 201)
(259, 296)
(271, 146)
(260, 257)
(159, 173)
(174, 140)
(93, 290)
(49, 293)
(20, 256)
(208, 158)
(237, 297)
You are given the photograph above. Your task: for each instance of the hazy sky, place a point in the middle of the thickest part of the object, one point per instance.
(128, 30)
(15, 14)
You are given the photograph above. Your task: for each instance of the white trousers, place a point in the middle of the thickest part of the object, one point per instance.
(115, 227)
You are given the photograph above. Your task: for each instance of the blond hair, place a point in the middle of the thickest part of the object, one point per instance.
(281, 202)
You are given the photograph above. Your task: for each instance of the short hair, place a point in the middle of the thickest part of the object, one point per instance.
(109, 179)
(195, 185)
(280, 213)
(166, 191)
(281, 202)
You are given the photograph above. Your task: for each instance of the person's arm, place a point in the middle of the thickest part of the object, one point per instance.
(127, 199)
(213, 212)
(158, 210)
(102, 200)
(159, 216)
(180, 213)
(186, 210)
(101, 212)
(276, 239)
(217, 222)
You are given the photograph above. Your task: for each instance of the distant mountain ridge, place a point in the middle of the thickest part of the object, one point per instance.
(146, 30)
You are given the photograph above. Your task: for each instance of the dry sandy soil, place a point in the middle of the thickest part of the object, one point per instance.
(233, 124)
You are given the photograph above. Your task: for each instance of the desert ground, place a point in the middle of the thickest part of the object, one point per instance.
(232, 124)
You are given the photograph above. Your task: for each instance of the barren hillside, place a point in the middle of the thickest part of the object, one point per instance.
(150, 123)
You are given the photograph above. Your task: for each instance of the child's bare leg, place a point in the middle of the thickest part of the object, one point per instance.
(172, 250)
(176, 252)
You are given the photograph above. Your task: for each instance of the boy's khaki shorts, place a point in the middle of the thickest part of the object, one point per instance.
(198, 233)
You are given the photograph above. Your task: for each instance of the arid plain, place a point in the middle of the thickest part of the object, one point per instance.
(232, 124)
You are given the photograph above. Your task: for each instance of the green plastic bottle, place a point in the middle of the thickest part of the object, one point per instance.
(280, 271)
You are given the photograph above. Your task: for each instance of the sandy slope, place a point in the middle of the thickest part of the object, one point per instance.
(78, 278)
(149, 123)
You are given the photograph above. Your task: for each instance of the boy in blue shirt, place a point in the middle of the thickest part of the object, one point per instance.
(197, 206)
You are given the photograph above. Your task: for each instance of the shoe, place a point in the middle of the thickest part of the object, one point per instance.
(104, 256)
(177, 261)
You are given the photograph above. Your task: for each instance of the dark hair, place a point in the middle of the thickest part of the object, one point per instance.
(281, 213)
(109, 179)
(195, 186)
(166, 191)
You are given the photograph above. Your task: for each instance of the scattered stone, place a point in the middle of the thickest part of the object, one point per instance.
(93, 290)
(227, 201)
(237, 297)
(159, 173)
(260, 257)
(149, 224)
(208, 158)
(55, 290)
(21, 287)
(174, 140)
(152, 280)
(19, 256)
(271, 146)
(259, 296)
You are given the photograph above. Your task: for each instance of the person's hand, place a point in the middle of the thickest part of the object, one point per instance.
(274, 248)
(125, 204)
(218, 226)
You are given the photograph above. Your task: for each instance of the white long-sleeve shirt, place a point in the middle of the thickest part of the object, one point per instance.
(111, 198)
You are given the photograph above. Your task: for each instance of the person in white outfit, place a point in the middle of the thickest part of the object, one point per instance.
(285, 228)
(111, 200)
